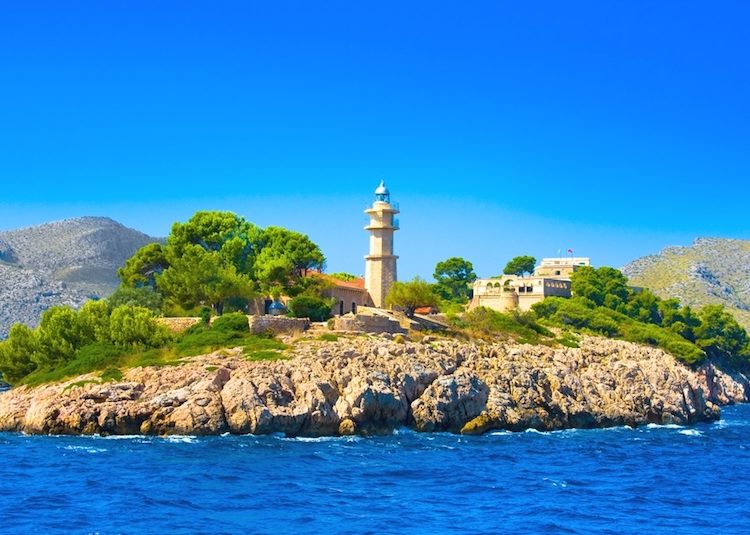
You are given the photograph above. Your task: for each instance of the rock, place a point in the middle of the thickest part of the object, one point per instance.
(347, 428)
(371, 385)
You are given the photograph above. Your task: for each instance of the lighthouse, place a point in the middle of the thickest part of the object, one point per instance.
(380, 264)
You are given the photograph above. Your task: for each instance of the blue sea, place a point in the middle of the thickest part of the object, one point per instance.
(653, 479)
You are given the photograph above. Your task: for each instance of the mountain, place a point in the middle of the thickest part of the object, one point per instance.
(61, 263)
(711, 270)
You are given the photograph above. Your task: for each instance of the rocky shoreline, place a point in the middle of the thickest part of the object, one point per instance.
(373, 385)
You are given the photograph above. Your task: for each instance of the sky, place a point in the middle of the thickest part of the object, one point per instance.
(502, 128)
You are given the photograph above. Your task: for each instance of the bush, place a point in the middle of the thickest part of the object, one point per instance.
(306, 306)
(60, 334)
(232, 322)
(484, 322)
(94, 320)
(16, 353)
(135, 327)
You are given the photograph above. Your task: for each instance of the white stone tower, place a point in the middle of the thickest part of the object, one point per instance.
(380, 264)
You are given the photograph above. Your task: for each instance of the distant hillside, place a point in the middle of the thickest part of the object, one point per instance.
(65, 262)
(711, 270)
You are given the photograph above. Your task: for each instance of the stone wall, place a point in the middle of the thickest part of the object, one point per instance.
(178, 325)
(368, 324)
(277, 324)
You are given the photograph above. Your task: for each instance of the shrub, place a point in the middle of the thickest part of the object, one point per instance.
(485, 322)
(16, 353)
(306, 306)
(328, 337)
(112, 374)
(60, 334)
(135, 327)
(94, 320)
(232, 322)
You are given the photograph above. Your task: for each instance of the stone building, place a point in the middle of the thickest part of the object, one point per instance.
(560, 267)
(510, 292)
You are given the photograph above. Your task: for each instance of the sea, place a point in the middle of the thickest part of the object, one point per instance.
(651, 479)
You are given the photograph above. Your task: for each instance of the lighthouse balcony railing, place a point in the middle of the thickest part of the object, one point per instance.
(394, 206)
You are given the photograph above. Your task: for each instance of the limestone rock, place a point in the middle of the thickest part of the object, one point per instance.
(370, 385)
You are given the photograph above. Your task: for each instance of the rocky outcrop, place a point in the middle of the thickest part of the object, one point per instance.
(370, 385)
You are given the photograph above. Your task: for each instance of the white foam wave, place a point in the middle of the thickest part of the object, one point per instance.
(503, 433)
(180, 439)
(325, 439)
(691, 433)
(87, 449)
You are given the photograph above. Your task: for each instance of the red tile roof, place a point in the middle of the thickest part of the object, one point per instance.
(356, 284)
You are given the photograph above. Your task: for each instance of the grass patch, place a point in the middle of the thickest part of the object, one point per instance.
(111, 374)
(77, 384)
(568, 339)
(265, 354)
(328, 337)
(486, 323)
(90, 358)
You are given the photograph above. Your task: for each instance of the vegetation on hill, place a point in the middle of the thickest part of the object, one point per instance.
(604, 304)
(711, 271)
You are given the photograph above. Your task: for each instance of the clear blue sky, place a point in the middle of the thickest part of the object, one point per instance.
(503, 128)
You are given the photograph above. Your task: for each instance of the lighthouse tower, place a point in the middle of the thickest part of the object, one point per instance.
(380, 264)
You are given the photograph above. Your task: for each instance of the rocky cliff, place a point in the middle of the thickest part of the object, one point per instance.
(61, 263)
(710, 271)
(373, 385)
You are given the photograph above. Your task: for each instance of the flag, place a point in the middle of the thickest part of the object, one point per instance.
(570, 251)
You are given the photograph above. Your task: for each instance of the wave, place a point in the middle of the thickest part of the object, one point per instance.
(87, 449)
(665, 426)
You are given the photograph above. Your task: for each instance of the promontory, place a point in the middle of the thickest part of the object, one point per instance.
(366, 384)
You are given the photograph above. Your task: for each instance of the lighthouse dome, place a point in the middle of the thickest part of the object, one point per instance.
(382, 194)
(382, 190)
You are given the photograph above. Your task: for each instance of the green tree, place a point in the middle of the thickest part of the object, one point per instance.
(411, 295)
(643, 306)
(520, 265)
(720, 333)
(16, 353)
(234, 239)
(286, 257)
(201, 277)
(142, 268)
(454, 278)
(605, 286)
